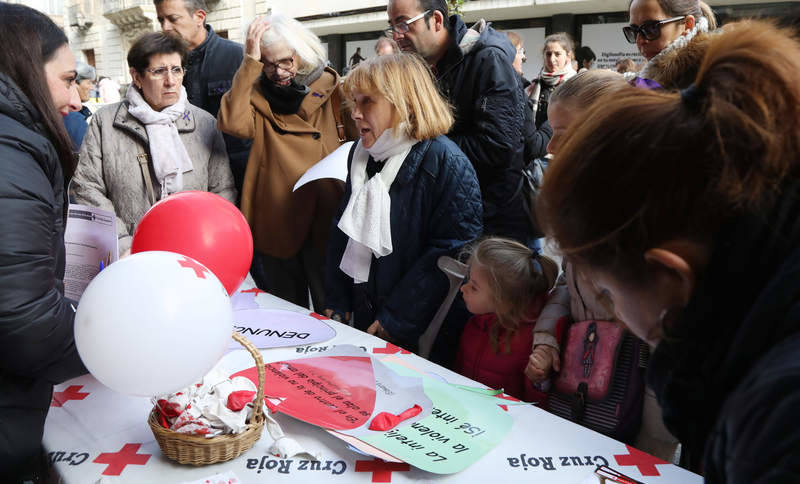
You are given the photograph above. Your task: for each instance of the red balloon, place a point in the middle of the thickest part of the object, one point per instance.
(203, 226)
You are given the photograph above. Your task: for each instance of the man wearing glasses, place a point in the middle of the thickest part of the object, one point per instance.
(210, 65)
(473, 68)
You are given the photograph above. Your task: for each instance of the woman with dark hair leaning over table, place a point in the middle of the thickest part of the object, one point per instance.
(697, 247)
(37, 349)
(411, 196)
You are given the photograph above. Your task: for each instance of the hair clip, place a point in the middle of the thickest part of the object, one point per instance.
(608, 474)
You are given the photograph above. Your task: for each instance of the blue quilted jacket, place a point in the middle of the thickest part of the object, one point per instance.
(436, 209)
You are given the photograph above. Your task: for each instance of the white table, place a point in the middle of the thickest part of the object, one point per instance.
(94, 434)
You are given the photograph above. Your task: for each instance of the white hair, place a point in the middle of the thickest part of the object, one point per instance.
(307, 46)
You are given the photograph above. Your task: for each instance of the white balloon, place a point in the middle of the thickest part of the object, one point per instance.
(153, 323)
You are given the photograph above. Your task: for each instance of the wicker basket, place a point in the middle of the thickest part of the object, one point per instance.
(197, 450)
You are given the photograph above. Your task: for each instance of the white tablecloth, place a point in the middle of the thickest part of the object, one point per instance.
(94, 434)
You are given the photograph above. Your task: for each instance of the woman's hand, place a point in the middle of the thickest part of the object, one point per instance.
(540, 363)
(252, 45)
(376, 329)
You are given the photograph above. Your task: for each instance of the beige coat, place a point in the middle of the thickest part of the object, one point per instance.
(284, 147)
(109, 176)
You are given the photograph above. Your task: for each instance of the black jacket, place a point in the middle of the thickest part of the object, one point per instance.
(37, 349)
(477, 77)
(209, 74)
(536, 139)
(730, 382)
(435, 210)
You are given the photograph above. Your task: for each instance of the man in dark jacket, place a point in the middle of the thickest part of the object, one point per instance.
(37, 346)
(473, 68)
(211, 64)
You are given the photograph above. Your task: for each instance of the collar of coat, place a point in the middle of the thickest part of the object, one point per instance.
(125, 121)
(319, 93)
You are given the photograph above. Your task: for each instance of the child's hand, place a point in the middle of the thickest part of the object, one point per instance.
(540, 363)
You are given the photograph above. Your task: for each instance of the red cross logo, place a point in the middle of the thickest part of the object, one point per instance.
(118, 460)
(254, 290)
(195, 266)
(391, 349)
(646, 463)
(381, 471)
(71, 393)
(506, 397)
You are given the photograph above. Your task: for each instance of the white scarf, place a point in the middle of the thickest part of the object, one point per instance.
(682, 41)
(367, 217)
(169, 155)
(549, 79)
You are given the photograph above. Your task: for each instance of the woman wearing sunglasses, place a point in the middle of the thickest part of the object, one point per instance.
(658, 27)
(153, 143)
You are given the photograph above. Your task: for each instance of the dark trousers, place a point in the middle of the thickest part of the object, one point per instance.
(292, 279)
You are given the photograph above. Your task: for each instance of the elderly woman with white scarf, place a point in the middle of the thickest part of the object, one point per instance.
(411, 197)
(153, 143)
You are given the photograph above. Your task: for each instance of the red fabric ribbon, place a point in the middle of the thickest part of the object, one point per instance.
(238, 400)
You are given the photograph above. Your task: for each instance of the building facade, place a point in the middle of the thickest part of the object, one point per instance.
(101, 31)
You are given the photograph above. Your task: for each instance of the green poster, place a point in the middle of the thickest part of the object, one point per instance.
(462, 428)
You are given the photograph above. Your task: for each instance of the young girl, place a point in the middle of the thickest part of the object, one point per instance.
(573, 298)
(506, 291)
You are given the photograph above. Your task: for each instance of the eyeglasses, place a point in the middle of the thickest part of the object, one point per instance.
(650, 30)
(284, 64)
(161, 72)
(402, 27)
(608, 474)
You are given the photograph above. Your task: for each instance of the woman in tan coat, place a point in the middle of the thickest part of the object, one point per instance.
(287, 101)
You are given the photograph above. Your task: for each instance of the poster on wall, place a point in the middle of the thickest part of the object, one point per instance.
(609, 45)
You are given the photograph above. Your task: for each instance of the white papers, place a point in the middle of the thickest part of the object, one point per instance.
(227, 477)
(90, 238)
(332, 166)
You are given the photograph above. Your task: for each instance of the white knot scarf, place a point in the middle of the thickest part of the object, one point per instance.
(367, 217)
(169, 155)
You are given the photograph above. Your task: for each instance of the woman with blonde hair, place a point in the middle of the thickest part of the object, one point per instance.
(411, 197)
(286, 99)
(694, 243)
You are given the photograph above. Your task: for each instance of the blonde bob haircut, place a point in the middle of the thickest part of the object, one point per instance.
(407, 83)
(291, 33)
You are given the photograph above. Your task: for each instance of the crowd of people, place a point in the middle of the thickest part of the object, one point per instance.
(671, 192)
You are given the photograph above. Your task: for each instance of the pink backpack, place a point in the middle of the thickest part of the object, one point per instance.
(601, 383)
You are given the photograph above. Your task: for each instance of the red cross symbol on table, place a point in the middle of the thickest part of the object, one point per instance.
(118, 460)
(646, 463)
(254, 290)
(71, 393)
(195, 266)
(381, 471)
(391, 349)
(506, 397)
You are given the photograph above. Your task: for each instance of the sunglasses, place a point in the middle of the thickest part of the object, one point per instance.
(650, 30)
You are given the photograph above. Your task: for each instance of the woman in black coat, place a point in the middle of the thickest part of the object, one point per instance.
(695, 245)
(37, 349)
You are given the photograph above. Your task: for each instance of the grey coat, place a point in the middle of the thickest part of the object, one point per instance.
(110, 177)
